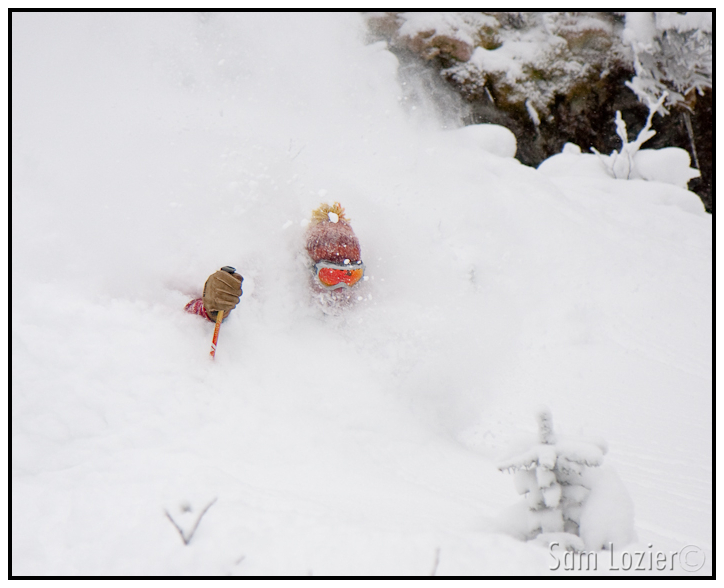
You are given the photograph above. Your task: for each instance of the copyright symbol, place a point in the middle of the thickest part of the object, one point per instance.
(691, 558)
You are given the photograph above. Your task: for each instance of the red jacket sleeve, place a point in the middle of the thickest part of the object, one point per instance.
(196, 306)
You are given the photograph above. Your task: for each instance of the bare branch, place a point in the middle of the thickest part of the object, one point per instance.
(186, 539)
(179, 529)
(437, 562)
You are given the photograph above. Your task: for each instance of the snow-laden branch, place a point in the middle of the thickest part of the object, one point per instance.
(621, 164)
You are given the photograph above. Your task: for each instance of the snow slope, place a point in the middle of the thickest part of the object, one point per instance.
(150, 150)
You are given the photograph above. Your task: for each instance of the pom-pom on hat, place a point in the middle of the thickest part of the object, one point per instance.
(330, 236)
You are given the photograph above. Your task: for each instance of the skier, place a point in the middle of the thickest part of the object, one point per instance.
(334, 253)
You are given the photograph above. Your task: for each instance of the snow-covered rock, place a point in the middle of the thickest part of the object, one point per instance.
(491, 138)
(574, 164)
(669, 165)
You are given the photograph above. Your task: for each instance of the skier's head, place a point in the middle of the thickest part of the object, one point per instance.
(334, 248)
(330, 237)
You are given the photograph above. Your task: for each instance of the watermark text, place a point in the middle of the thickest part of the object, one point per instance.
(690, 558)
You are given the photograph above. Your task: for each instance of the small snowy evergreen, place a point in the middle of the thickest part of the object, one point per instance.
(553, 475)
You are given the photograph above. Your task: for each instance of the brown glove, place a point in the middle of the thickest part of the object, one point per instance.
(222, 292)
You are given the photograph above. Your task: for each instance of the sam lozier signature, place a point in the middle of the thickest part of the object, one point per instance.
(690, 558)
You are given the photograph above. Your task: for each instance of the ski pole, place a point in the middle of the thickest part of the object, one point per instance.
(219, 318)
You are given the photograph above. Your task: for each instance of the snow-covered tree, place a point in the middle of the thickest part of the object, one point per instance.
(672, 54)
(551, 476)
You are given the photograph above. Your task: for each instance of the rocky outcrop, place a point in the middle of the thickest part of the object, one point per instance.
(551, 78)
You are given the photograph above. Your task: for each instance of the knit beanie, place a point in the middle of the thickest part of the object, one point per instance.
(330, 236)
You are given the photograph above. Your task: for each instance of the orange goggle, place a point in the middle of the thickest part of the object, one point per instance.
(333, 276)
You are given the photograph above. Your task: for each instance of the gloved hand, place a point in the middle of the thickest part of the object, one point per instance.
(222, 292)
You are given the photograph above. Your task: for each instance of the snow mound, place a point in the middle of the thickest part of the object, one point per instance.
(607, 514)
(669, 165)
(491, 138)
(572, 164)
